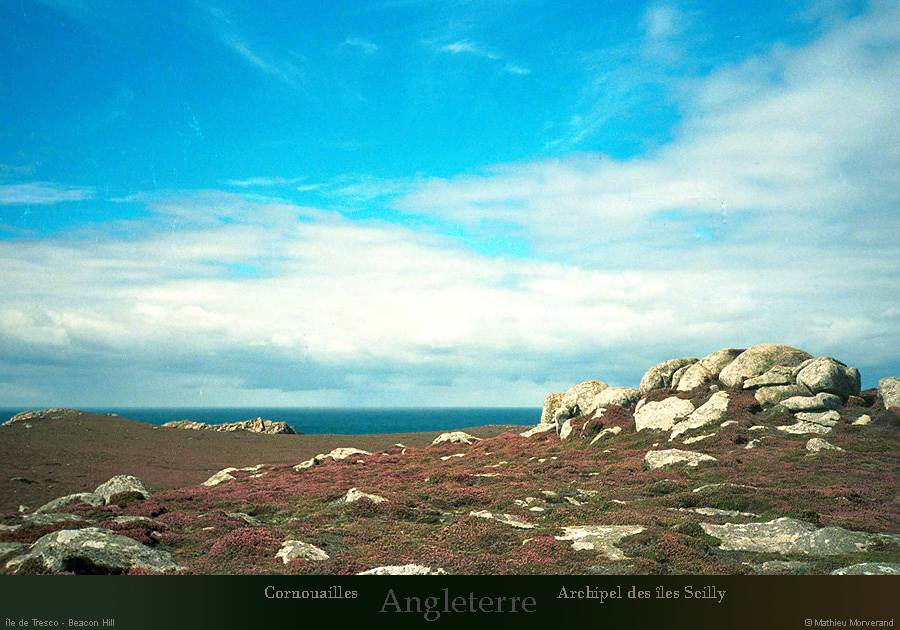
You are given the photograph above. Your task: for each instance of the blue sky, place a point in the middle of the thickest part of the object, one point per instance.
(437, 202)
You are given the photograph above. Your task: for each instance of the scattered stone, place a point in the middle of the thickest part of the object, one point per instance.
(713, 410)
(566, 430)
(751, 444)
(825, 418)
(789, 535)
(506, 519)
(801, 428)
(825, 374)
(620, 396)
(698, 438)
(608, 431)
(354, 495)
(601, 538)
(297, 549)
(455, 437)
(888, 391)
(91, 550)
(21, 480)
(660, 375)
(728, 423)
(404, 569)
(669, 457)
(713, 486)
(551, 404)
(255, 425)
(446, 457)
(662, 415)
(816, 445)
(121, 484)
(790, 567)
(242, 516)
(541, 428)
(220, 477)
(716, 512)
(869, 568)
(337, 455)
(863, 420)
(819, 402)
(706, 369)
(69, 500)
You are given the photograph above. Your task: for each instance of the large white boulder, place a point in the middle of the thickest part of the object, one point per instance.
(706, 369)
(825, 374)
(758, 360)
(662, 414)
(661, 375)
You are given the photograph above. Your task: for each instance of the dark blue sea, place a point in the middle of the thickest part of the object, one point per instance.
(342, 421)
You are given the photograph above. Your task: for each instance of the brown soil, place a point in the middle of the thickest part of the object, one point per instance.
(76, 453)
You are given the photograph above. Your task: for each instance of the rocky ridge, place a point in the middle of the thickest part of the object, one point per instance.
(712, 465)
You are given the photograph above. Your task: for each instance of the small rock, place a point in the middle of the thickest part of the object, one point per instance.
(751, 444)
(863, 420)
(669, 457)
(816, 445)
(601, 538)
(455, 437)
(869, 568)
(294, 549)
(801, 428)
(404, 569)
(825, 418)
(121, 484)
(607, 431)
(774, 394)
(698, 438)
(354, 495)
(506, 519)
(541, 428)
(220, 477)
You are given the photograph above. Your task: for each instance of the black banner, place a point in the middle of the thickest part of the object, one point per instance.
(126, 603)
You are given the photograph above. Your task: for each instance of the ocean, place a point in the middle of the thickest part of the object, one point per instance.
(338, 421)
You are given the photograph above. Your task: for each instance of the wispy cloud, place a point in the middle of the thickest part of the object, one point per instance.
(230, 35)
(264, 182)
(468, 47)
(364, 45)
(42, 193)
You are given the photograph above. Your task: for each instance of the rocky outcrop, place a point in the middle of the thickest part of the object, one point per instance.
(662, 415)
(579, 400)
(254, 425)
(789, 535)
(404, 569)
(40, 414)
(758, 360)
(297, 549)
(672, 456)
(889, 392)
(706, 369)
(600, 538)
(662, 375)
(91, 550)
(455, 437)
(551, 404)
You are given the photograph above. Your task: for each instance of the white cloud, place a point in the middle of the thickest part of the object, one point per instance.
(364, 45)
(42, 193)
(468, 47)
